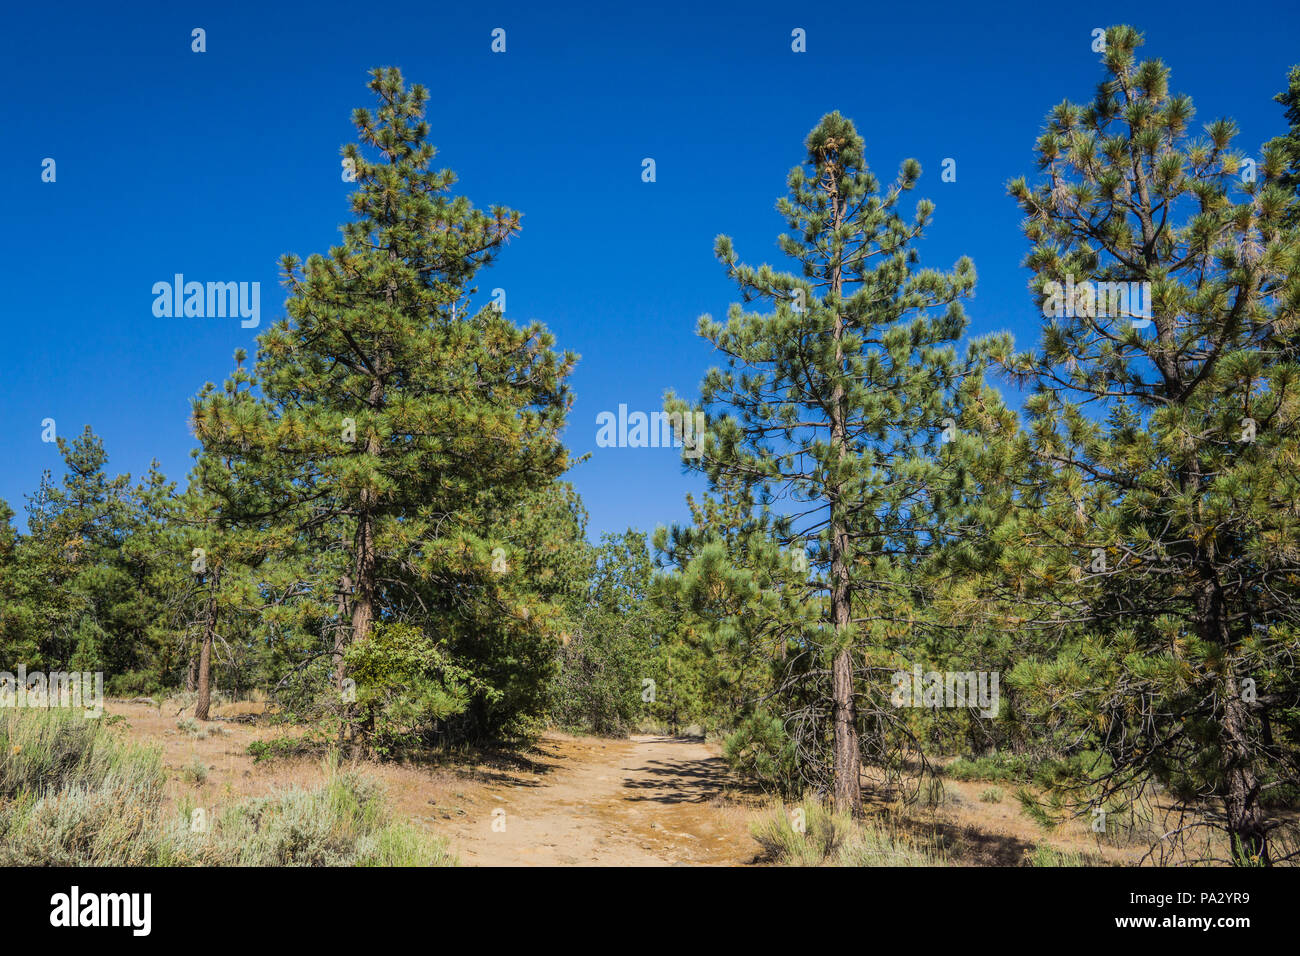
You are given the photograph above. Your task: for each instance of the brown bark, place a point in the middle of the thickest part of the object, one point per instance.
(363, 601)
(365, 561)
(846, 753)
(204, 701)
(340, 632)
(1244, 817)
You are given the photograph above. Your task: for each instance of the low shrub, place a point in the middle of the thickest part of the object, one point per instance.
(833, 839)
(73, 795)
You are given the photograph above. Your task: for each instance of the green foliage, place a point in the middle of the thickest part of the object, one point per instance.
(761, 750)
(407, 685)
(277, 747)
(390, 433)
(1045, 855)
(1002, 768)
(832, 458)
(1156, 546)
(342, 823)
(615, 644)
(1287, 147)
(195, 772)
(88, 587)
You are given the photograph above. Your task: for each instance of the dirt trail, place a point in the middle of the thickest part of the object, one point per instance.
(647, 801)
(585, 801)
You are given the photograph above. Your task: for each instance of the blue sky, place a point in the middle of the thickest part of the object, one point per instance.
(215, 164)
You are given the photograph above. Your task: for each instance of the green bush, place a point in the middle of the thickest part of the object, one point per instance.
(762, 751)
(72, 795)
(343, 823)
(823, 834)
(1044, 855)
(277, 747)
(406, 685)
(51, 750)
(196, 772)
(995, 768)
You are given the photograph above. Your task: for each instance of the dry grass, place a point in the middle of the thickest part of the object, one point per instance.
(73, 792)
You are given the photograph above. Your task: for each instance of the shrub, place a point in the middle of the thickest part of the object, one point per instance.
(196, 772)
(1044, 855)
(342, 823)
(831, 839)
(278, 747)
(72, 795)
(996, 768)
(50, 750)
(762, 751)
(824, 832)
(406, 685)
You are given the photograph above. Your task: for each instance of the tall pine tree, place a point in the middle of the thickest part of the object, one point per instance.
(830, 417)
(386, 410)
(1162, 430)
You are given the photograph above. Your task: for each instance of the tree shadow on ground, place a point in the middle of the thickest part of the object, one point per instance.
(670, 782)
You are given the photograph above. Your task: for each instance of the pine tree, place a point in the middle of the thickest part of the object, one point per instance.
(72, 577)
(1287, 146)
(615, 633)
(158, 566)
(1160, 547)
(14, 645)
(831, 414)
(385, 409)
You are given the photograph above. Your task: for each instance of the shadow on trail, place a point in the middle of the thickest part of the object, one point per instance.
(687, 781)
(502, 765)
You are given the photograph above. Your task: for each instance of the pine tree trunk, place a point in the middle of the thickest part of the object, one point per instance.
(191, 673)
(364, 573)
(847, 758)
(340, 632)
(204, 703)
(846, 752)
(1244, 815)
(363, 601)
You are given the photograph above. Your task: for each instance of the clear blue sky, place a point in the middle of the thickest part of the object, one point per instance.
(215, 164)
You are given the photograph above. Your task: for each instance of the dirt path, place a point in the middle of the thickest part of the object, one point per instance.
(586, 801)
(647, 801)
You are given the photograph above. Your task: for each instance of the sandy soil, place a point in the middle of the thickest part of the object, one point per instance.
(584, 801)
(587, 801)
(647, 801)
